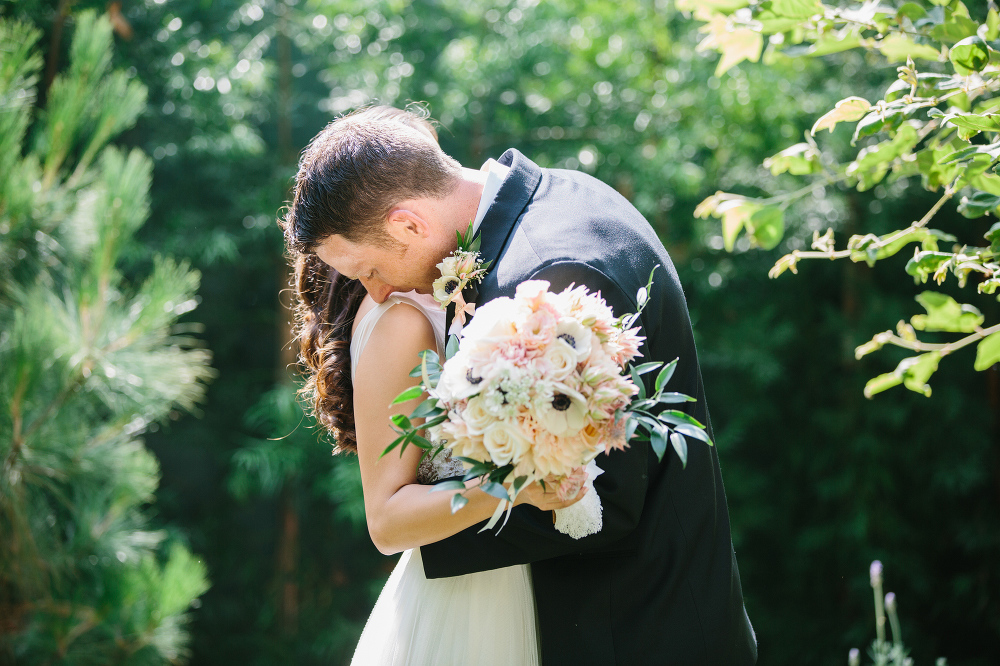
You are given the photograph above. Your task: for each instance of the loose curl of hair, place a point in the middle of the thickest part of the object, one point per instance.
(326, 306)
(349, 173)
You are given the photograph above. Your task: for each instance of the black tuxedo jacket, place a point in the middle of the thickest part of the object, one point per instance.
(659, 584)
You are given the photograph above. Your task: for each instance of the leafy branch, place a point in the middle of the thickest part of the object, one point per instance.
(939, 122)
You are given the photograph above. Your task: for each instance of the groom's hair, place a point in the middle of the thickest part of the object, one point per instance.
(359, 167)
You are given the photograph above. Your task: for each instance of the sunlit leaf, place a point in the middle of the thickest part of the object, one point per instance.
(847, 110)
(988, 351)
(969, 55)
(944, 313)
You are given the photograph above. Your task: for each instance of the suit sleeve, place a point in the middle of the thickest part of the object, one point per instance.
(529, 535)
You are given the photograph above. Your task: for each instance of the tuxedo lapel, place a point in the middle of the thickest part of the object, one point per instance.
(516, 191)
(501, 217)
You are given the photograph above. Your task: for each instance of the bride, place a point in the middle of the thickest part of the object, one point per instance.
(359, 354)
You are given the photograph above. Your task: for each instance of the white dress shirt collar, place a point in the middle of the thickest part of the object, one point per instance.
(495, 173)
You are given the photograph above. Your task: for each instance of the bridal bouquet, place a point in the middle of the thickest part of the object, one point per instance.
(534, 390)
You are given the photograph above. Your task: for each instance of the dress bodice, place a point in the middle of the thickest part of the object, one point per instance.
(441, 466)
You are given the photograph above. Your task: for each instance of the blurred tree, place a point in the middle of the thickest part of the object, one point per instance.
(88, 360)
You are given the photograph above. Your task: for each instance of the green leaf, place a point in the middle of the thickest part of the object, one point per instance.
(396, 442)
(988, 351)
(925, 264)
(795, 8)
(674, 417)
(916, 374)
(955, 29)
(992, 25)
(645, 368)
(882, 383)
(978, 204)
(673, 398)
(694, 432)
(847, 110)
(798, 160)
(873, 162)
(401, 422)
(458, 500)
(637, 380)
(912, 372)
(452, 484)
(944, 313)
(411, 393)
(665, 374)
(452, 347)
(426, 408)
(897, 48)
(495, 489)
(993, 236)
(735, 213)
(658, 440)
(766, 227)
(969, 55)
(680, 445)
(989, 122)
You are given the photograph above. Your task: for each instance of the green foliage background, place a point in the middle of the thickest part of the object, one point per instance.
(820, 481)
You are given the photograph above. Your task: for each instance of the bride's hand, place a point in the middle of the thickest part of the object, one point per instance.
(546, 498)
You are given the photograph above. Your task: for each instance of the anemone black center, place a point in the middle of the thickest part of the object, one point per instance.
(561, 402)
(568, 339)
(450, 286)
(472, 380)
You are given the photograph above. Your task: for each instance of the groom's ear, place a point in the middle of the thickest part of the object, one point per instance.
(406, 226)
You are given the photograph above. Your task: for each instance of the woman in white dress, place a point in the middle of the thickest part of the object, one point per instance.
(483, 618)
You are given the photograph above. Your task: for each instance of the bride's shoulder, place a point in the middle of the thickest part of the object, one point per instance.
(401, 321)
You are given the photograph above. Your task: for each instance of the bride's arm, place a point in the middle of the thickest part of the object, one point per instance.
(401, 513)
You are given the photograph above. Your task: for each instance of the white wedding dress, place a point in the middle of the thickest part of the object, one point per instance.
(479, 619)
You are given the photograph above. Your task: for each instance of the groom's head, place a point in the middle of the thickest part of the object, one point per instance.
(370, 200)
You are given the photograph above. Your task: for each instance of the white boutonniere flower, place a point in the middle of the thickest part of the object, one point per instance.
(458, 270)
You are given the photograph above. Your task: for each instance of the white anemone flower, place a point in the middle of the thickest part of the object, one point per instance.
(576, 335)
(445, 288)
(564, 414)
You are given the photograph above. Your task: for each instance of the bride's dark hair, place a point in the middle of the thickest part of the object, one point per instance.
(326, 305)
(327, 302)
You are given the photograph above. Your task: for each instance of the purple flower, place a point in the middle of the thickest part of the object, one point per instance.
(854, 657)
(890, 602)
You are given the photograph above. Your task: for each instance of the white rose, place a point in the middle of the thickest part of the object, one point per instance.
(505, 442)
(476, 417)
(562, 360)
(448, 267)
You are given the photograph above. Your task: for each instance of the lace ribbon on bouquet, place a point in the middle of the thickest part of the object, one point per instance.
(586, 517)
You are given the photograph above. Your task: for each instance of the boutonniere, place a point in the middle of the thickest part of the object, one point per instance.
(458, 270)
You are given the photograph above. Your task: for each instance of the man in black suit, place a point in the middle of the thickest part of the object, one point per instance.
(659, 583)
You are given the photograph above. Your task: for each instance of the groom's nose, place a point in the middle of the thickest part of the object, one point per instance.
(378, 290)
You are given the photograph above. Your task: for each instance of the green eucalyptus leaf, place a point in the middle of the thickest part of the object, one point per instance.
(495, 489)
(645, 368)
(452, 484)
(658, 440)
(665, 374)
(988, 352)
(680, 445)
(411, 393)
(694, 432)
(458, 500)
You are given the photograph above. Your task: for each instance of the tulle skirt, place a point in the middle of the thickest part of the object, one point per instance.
(480, 619)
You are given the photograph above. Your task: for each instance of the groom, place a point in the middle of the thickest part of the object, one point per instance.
(378, 200)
